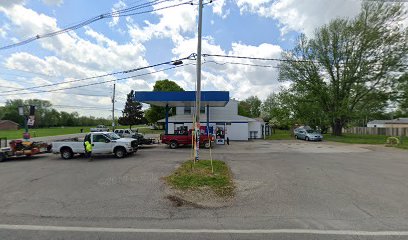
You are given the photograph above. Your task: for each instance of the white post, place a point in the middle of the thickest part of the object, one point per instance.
(113, 107)
(198, 90)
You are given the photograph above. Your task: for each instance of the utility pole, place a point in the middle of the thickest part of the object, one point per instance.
(113, 107)
(198, 90)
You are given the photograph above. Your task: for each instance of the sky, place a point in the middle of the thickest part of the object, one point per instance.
(254, 28)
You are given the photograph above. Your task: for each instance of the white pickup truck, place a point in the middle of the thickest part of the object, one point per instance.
(102, 143)
(100, 128)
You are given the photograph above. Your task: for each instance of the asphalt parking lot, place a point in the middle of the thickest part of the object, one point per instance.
(290, 186)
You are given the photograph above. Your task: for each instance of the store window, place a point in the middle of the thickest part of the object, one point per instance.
(187, 110)
(202, 109)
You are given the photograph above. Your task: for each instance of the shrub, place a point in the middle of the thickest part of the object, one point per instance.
(393, 141)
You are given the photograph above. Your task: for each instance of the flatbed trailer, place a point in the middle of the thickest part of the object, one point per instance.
(20, 148)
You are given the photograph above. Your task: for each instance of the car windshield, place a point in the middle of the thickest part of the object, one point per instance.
(112, 136)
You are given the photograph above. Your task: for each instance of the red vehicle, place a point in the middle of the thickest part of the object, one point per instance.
(184, 138)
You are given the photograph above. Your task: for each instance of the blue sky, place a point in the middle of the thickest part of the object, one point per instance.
(256, 28)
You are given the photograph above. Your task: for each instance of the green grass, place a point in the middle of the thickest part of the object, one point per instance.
(194, 176)
(356, 138)
(54, 131)
(42, 132)
(280, 135)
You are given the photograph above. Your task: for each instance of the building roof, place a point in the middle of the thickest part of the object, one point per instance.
(398, 121)
(180, 99)
(377, 122)
(8, 121)
(203, 118)
(393, 121)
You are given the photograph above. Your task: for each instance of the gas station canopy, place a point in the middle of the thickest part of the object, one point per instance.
(185, 98)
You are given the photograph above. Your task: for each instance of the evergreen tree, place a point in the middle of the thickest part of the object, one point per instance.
(132, 113)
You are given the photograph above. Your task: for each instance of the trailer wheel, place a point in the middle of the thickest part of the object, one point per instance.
(120, 152)
(207, 144)
(2, 157)
(66, 153)
(173, 145)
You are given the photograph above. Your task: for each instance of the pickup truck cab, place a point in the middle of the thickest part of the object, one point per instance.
(126, 133)
(100, 128)
(102, 143)
(129, 133)
(185, 138)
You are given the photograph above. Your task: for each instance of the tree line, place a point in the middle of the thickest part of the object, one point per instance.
(348, 72)
(46, 115)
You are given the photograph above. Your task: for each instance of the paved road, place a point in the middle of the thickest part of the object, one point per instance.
(294, 185)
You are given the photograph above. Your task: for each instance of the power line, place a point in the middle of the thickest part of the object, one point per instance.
(255, 58)
(118, 13)
(274, 59)
(100, 76)
(244, 64)
(97, 83)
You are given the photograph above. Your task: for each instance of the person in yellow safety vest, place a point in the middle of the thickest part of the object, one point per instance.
(88, 150)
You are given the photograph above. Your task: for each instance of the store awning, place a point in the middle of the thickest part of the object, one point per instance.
(180, 99)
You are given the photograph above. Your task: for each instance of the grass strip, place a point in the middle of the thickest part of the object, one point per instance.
(197, 175)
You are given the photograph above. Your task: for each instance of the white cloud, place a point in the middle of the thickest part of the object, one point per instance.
(218, 8)
(3, 30)
(172, 24)
(220, 74)
(72, 57)
(10, 3)
(119, 5)
(54, 2)
(301, 16)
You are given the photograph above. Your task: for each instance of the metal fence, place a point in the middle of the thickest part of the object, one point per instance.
(378, 131)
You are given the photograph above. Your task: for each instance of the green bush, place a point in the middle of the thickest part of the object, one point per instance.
(393, 141)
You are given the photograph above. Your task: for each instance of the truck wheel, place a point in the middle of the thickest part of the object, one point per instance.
(2, 157)
(173, 145)
(66, 153)
(120, 152)
(207, 144)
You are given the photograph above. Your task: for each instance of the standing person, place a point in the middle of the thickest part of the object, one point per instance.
(88, 147)
(227, 140)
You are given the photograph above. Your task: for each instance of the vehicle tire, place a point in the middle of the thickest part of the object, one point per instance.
(66, 153)
(173, 145)
(307, 138)
(2, 157)
(296, 137)
(120, 152)
(207, 144)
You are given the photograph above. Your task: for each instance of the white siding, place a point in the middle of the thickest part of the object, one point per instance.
(179, 110)
(171, 128)
(378, 125)
(230, 109)
(237, 131)
(256, 127)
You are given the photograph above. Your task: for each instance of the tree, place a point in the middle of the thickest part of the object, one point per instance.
(347, 63)
(243, 109)
(250, 107)
(155, 113)
(402, 95)
(132, 114)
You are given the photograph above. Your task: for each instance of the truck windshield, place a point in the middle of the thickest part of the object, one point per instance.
(112, 136)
